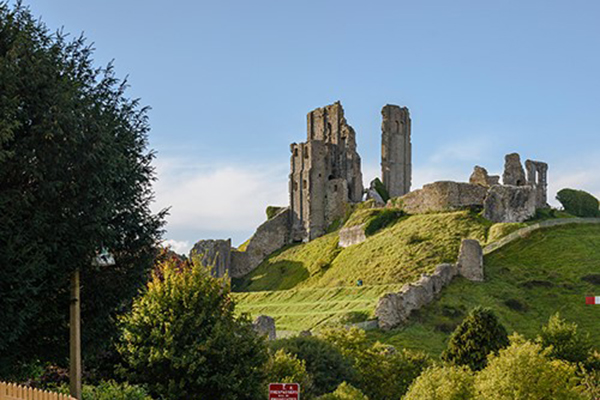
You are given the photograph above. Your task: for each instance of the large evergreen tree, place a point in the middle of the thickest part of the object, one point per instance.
(75, 176)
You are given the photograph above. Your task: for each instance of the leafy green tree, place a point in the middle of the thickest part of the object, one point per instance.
(75, 175)
(182, 339)
(443, 382)
(579, 203)
(564, 341)
(381, 371)
(478, 335)
(324, 362)
(345, 392)
(524, 371)
(287, 368)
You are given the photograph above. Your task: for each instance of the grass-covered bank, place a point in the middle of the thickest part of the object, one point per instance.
(394, 255)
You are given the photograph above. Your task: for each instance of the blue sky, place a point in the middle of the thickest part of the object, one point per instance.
(230, 84)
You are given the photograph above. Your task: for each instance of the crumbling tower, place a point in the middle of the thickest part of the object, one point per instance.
(325, 173)
(396, 150)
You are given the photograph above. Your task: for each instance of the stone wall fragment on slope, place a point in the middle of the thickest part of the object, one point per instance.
(394, 309)
(352, 235)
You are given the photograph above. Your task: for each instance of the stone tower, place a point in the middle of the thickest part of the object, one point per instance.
(325, 173)
(396, 150)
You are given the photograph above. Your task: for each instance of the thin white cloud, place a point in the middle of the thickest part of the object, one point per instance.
(221, 198)
(178, 246)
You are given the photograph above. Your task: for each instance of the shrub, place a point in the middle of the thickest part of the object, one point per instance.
(345, 392)
(382, 372)
(478, 335)
(273, 211)
(287, 368)
(381, 220)
(564, 341)
(443, 382)
(381, 190)
(182, 338)
(107, 390)
(524, 371)
(579, 203)
(110, 390)
(324, 362)
(385, 374)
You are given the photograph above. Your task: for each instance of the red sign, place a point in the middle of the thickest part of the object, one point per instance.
(284, 391)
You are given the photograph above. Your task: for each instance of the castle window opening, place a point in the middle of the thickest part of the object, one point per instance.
(296, 152)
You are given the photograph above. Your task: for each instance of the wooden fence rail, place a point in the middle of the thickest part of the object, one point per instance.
(11, 391)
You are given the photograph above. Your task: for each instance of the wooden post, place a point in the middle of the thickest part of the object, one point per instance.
(75, 342)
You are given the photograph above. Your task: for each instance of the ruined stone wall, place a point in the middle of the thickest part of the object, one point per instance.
(394, 309)
(325, 173)
(215, 254)
(537, 177)
(396, 150)
(443, 196)
(269, 237)
(510, 203)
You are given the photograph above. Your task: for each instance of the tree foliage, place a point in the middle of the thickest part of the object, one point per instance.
(478, 335)
(382, 372)
(564, 341)
(345, 392)
(443, 382)
(324, 362)
(75, 175)
(287, 368)
(524, 371)
(579, 203)
(182, 338)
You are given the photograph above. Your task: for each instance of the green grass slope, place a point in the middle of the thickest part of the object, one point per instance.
(526, 282)
(311, 285)
(400, 253)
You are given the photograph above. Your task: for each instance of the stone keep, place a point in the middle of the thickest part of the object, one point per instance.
(396, 150)
(325, 173)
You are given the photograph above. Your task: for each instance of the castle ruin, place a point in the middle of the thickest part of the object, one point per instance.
(396, 150)
(325, 178)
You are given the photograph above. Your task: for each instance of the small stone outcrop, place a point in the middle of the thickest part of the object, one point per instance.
(393, 309)
(215, 254)
(352, 235)
(514, 174)
(470, 260)
(265, 325)
(510, 203)
(443, 196)
(481, 177)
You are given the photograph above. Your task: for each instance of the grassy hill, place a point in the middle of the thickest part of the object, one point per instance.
(526, 282)
(311, 285)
